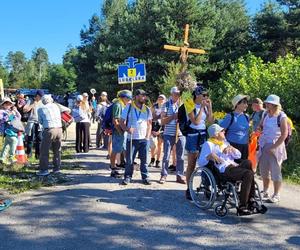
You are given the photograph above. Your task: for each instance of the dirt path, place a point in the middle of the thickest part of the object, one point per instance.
(95, 212)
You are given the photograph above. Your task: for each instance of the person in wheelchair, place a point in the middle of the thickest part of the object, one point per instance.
(222, 155)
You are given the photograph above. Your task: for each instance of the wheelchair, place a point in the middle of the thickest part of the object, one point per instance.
(207, 187)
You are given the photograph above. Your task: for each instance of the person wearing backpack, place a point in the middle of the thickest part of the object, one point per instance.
(112, 121)
(237, 125)
(198, 113)
(172, 136)
(272, 149)
(101, 138)
(8, 113)
(136, 120)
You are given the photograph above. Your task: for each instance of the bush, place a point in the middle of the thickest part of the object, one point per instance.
(250, 75)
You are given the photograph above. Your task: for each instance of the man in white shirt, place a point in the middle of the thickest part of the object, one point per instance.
(136, 119)
(220, 153)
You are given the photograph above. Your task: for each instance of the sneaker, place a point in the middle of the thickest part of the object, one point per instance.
(126, 181)
(188, 195)
(157, 164)
(275, 198)
(243, 211)
(42, 173)
(172, 168)
(180, 179)
(115, 174)
(120, 166)
(146, 182)
(265, 195)
(163, 179)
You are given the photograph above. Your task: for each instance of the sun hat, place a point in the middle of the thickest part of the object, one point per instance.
(238, 98)
(85, 94)
(79, 98)
(6, 99)
(103, 93)
(273, 99)
(214, 129)
(175, 90)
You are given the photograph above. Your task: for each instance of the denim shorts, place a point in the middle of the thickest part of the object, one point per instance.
(118, 142)
(194, 141)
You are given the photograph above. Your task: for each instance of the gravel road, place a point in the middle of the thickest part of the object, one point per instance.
(96, 212)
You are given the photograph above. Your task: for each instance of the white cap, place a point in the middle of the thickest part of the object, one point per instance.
(214, 129)
(162, 96)
(79, 98)
(47, 99)
(85, 94)
(175, 90)
(273, 99)
(103, 93)
(238, 98)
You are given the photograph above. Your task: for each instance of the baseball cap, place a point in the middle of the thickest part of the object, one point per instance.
(199, 90)
(79, 98)
(125, 94)
(140, 92)
(175, 90)
(85, 94)
(40, 92)
(162, 96)
(214, 129)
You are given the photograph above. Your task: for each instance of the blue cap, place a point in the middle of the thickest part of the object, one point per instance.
(40, 92)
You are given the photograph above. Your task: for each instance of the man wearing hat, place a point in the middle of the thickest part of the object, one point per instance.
(136, 120)
(118, 136)
(221, 154)
(33, 129)
(50, 119)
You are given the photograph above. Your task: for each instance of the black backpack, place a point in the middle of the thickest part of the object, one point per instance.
(184, 122)
(232, 119)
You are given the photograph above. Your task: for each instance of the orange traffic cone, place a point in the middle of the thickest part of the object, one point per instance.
(20, 152)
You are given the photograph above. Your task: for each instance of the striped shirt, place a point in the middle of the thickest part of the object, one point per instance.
(138, 120)
(170, 108)
(49, 116)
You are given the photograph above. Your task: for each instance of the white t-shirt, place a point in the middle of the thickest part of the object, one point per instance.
(138, 120)
(227, 159)
(201, 125)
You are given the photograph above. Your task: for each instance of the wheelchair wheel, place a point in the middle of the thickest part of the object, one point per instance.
(203, 188)
(221, 211)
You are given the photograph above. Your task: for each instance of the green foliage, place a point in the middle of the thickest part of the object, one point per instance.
(250, 75)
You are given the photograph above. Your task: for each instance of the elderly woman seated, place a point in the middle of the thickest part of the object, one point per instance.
(219, 152)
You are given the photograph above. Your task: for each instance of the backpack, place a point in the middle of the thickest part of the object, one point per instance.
(107, 122)
(184, 122)
(232, 119)
(290, 131)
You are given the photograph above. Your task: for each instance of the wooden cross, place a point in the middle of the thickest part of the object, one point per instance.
(184, 50)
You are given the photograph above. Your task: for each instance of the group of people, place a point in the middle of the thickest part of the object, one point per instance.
(128, 129)
(137, 129)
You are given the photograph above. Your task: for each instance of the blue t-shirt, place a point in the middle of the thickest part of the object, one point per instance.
(238, 132)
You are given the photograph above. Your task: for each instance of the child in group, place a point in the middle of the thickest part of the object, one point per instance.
(10, 124)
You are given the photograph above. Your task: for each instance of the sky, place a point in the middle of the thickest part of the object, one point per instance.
(51, 24)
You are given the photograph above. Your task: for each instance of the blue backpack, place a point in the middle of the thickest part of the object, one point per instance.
(107, 119)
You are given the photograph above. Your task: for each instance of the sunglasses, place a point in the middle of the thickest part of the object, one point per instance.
(205, 95)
